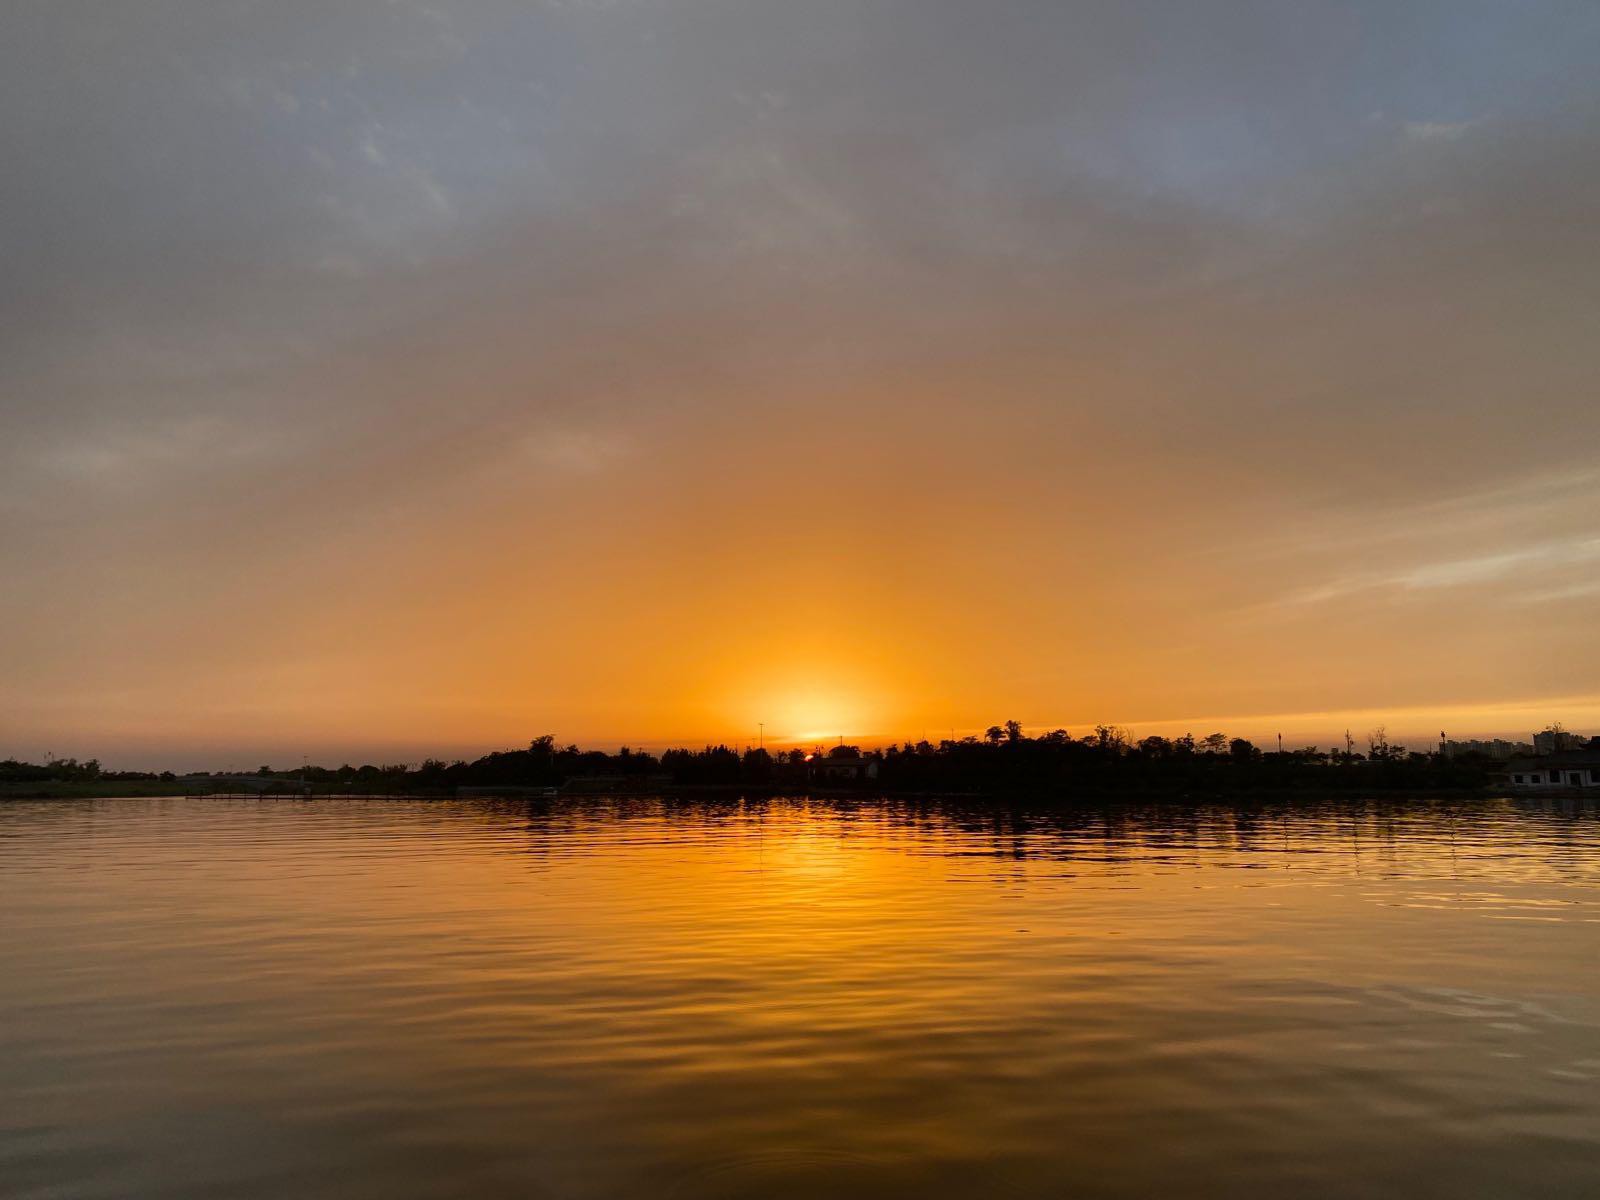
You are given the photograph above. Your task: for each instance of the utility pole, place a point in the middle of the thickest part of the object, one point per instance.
(762, 726)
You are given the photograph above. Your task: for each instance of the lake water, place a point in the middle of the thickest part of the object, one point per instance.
(400, 998)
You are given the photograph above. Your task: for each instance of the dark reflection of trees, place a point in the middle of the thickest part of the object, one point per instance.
(1365, 835)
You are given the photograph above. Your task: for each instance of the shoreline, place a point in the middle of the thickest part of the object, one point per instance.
(140, 790)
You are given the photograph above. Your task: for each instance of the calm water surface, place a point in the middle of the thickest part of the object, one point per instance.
(626, 999)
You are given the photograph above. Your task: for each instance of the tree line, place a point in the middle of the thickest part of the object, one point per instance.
(70, 770)
(1005, 759)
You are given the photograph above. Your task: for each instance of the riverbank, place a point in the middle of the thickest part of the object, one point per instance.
(61, 789)
(151, 789)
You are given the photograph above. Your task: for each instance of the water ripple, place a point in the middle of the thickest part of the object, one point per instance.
(624, 997)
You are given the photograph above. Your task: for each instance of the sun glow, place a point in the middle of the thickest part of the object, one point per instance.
(803, 712)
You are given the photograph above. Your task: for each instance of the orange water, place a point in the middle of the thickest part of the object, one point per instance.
(393, 998)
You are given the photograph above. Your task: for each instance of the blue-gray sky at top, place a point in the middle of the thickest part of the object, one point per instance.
(402, 376)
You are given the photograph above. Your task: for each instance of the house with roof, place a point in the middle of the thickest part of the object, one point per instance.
(844, 764)
(1573, 769)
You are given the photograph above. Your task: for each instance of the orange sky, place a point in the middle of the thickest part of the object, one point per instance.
(422, 381)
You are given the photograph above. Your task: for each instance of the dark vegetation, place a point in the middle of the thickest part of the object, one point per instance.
(1005, 760)
(70, 770)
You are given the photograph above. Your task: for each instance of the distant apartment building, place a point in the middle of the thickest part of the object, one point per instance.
(1496, 748)
(1558, 741)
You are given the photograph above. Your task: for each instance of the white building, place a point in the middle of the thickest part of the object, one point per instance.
(1579, 769)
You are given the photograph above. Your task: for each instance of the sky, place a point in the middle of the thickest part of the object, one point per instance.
(380, 380)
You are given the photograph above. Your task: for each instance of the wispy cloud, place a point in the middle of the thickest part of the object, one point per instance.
(1438, 131)
(1518, 716)
(1459, 572)
(576, 451)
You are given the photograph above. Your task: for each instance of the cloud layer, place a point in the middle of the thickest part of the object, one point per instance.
(429, 375)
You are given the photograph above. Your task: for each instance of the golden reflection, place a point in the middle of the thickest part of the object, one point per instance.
(798, 998)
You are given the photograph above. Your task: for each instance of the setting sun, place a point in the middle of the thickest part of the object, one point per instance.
(805, 708)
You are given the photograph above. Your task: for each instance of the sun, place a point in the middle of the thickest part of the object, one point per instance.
(807, 715)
